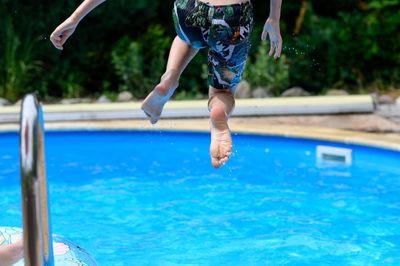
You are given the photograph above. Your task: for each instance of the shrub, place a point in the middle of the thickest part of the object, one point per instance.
(267, 72)
(349, 50)
(128, 58)
(17, 62)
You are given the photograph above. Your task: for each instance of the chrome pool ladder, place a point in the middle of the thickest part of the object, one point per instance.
(37, 237)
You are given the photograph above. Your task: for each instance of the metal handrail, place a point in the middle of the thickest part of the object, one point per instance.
(38, 244)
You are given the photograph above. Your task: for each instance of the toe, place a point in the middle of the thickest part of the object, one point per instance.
(223, 159)
(214, 153)
(215, 162)
(226, 151)
(153, 120)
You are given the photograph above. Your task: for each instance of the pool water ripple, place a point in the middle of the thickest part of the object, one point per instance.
(139, 198)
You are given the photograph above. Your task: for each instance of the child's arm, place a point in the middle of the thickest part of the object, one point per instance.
(272, 28)
(65, 29)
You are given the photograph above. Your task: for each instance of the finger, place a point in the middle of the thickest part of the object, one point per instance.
(271, 50)
(56, 44)
(57, 32)
(264, 35)
(55, 39)
(54, 36)
(278, 50)
(65, 37)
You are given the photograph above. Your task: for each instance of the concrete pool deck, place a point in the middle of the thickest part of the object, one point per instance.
(198, 108)
(348, 119)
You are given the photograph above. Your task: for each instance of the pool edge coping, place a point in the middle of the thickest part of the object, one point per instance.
(389, 142)
(323, 105)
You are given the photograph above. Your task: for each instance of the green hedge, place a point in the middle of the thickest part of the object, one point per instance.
(123, 45)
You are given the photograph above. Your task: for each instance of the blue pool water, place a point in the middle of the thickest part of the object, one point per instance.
(152, 198)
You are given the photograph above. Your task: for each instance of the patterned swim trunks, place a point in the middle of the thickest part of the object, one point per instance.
(225, 30)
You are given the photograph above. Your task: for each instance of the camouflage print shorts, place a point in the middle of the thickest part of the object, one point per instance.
(225, 30)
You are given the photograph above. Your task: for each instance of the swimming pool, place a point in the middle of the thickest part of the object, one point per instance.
(152, 198)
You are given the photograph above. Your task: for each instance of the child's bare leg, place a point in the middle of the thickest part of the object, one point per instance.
(179, 57)
(221, 105)
(10, 254)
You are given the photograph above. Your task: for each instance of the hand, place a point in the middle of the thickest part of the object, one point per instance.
(271, 28)
(61, 34)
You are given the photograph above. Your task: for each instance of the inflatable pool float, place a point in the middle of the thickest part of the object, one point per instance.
(65, 252)
(40, 246)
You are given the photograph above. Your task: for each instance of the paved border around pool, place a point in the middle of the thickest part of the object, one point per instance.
(198, 108)
(387, 141)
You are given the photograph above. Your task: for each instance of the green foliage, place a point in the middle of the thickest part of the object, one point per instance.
(83, 68)
(381, 4)
(72, 85)
(128, 58)
(128, 62)
(188, 95)
(268, 72)
(350, 44)
(194, 78)
(17, 64)
(351, 51)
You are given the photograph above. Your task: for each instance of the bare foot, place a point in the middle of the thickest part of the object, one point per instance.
(154, 103)
(221, 140)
